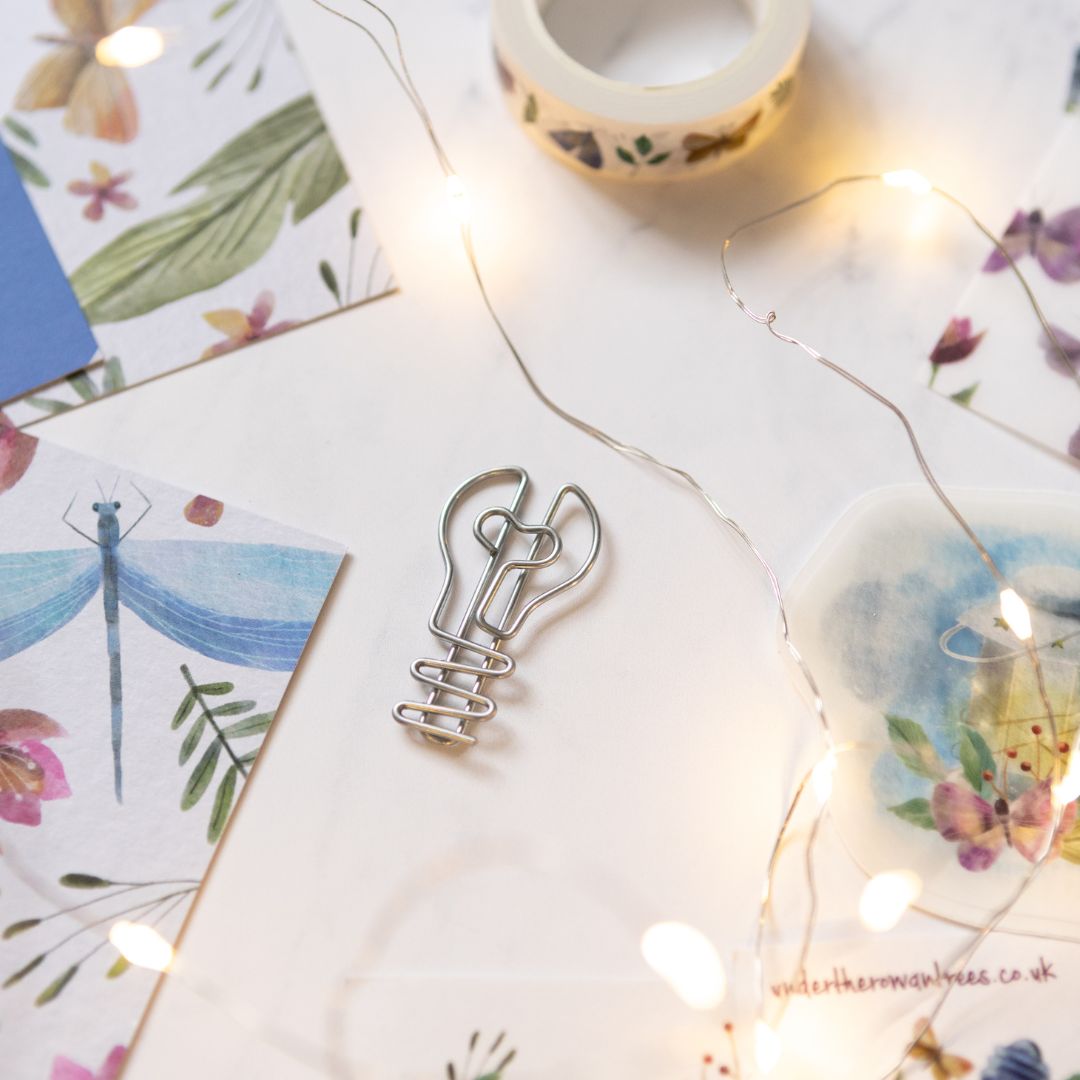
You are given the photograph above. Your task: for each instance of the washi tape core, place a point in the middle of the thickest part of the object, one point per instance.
(650, 42)
(603, 126)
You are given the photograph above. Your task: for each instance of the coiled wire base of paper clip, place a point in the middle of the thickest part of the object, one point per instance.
(472, 704)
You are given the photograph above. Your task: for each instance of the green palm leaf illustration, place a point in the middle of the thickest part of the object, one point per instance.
(286, 157)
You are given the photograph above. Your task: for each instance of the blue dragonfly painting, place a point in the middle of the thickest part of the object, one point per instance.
(240, 603)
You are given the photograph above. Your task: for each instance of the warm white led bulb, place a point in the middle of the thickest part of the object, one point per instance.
(1067, 789)
(141, 945)
(822, 777)
(458, 197)
(886, 897)
(687, 961)
(1015, 612)
(913, 181)
(130, 46)
(767, 1047)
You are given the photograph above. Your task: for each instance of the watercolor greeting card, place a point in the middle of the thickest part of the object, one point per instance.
(952, 746)
(994, 357)
(185, 177)
(147, 636)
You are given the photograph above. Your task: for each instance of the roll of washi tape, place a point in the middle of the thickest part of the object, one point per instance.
(610, 128)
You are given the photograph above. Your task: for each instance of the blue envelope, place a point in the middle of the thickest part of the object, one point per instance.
(43, 334)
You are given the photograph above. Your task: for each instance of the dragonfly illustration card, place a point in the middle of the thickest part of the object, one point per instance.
(185, 177)
(993, 356)
(43, 333)
(147, 636)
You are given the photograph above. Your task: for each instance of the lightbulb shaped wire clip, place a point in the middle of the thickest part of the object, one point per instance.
(456, 698)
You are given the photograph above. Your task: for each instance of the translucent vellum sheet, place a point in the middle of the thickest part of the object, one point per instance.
(903, 624)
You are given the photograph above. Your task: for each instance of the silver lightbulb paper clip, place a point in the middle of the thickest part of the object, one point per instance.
(456, 698)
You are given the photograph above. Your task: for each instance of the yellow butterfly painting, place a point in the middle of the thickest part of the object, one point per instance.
(942, 1066)
(97, 97)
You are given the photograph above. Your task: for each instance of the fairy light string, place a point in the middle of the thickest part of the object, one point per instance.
(918, 185)
(458, 195)
(303, 1050)
(905, 178)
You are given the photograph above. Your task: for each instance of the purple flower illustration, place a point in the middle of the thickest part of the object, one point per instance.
(1062, 353)
(1062, 342)
(102, 188)
(957, 342)
(1074, 444)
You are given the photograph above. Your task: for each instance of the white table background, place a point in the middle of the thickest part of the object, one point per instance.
(655, 729)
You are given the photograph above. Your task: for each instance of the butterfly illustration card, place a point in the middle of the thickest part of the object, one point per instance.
(147, 636)
(185, 177)
(993, 356)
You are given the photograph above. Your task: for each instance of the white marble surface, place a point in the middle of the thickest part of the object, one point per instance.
(656, 728)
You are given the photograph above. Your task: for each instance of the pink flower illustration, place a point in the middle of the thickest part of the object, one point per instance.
(16, 453)
(103, 188)
(240, 328)
(956, 343)
(66, 1069)
(30, 773)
